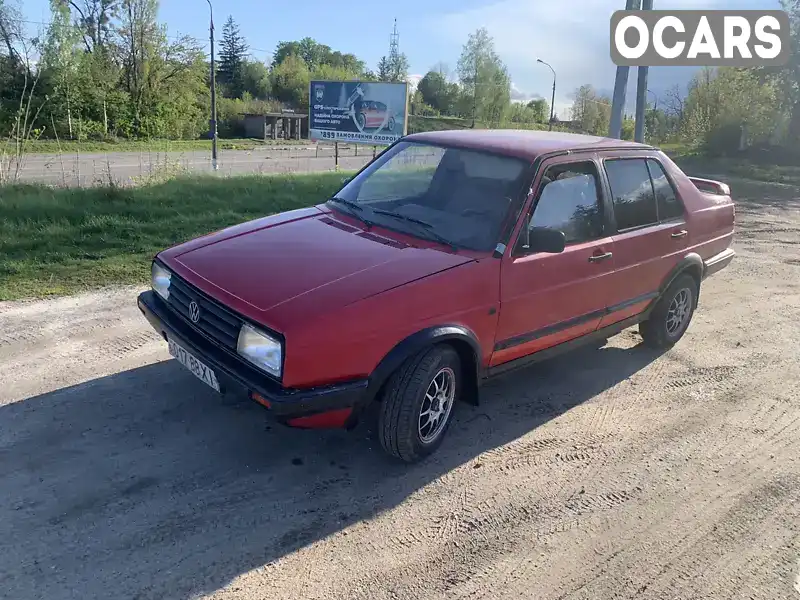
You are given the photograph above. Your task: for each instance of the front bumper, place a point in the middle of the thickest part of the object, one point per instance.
(325, 406)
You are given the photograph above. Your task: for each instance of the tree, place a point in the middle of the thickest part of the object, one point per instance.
(727, 106)
(393, 68)
(590, 111)
(674, 102)
(290, 81)
(315, 55)
(438, 92)
(255, 79)
(163, 80)
(60, 59)
(787, 77)
(95, 21)
(295, 63)
(383, 69)
(10, 30)
(232, 57)
(540, 108)
(484, 79)
(656, 124)
(346, 62)
(14, 69)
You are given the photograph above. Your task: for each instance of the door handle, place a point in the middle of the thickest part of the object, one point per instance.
(599, 257)
(680, 234)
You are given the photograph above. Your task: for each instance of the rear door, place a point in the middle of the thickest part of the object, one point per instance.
(547, 299)
(652, 235)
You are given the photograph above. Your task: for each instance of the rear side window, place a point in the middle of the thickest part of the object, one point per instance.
(669, 206)
(632, 193)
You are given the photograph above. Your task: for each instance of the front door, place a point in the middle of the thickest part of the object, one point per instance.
(547, 299)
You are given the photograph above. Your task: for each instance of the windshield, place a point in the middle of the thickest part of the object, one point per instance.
(461, 196)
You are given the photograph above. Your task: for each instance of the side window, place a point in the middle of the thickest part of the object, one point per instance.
(669, 205)
(632, 193)
(569, 201)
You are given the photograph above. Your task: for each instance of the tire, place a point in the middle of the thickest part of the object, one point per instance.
(407, 397)
(390, 124)
(660, 330)
(361, 120)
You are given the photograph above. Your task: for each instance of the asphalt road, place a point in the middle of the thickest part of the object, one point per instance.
(616, 472)
(126, 168)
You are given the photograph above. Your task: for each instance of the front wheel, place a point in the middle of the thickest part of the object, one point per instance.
(671, 317)
(418, 403)
(390, 124)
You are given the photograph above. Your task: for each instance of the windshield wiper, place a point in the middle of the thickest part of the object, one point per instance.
(428, 226)
(355, 209)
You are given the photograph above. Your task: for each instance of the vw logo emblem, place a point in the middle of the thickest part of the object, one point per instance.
(194, 311)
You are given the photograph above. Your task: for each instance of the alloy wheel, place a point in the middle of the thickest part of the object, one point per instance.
(436, 405)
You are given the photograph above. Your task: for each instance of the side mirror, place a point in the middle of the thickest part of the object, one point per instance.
(545, 239)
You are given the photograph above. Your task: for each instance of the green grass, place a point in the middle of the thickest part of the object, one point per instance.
(417, 124)
(122, 145)
(738, 168)
(56, 241)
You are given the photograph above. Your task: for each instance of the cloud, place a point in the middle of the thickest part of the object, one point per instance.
(413, 82)
(575, 41)
(518, 95)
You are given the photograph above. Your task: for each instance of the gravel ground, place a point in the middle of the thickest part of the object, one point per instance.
(610, 473)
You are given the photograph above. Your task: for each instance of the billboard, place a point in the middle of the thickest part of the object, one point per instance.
(358, 112)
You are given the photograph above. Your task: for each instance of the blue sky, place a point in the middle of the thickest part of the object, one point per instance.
(572, 35)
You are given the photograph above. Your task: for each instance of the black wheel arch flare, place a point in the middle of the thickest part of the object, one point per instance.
(461, 338)
(692, 264)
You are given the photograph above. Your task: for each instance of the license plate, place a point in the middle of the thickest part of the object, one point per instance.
(201, 371)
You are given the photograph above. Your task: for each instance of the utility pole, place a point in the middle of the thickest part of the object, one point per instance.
(553, 99)
(620, 87)
(641, 91)
(213, 121)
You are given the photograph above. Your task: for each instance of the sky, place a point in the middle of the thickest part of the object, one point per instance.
(571, 35)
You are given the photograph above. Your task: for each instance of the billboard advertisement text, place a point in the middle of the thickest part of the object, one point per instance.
(357, 112)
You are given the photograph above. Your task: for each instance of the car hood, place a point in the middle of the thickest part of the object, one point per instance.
(302, 263)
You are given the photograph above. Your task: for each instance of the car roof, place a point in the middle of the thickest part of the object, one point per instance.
(522, 143)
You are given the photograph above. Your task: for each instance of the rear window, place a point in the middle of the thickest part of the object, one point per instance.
(667, 201)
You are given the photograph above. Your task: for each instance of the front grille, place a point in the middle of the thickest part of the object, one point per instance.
(215, 321)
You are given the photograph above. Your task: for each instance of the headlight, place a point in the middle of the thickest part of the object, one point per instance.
(260, 349)
(160, 280)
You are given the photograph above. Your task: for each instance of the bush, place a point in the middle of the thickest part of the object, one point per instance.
(424, 110)
(722, 140)
(88, 130)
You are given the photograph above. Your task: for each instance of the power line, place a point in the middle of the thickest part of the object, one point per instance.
(171, 37)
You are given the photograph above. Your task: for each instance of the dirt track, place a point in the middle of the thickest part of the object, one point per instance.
(611, 473)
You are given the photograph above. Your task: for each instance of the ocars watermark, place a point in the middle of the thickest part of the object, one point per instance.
(714, 38)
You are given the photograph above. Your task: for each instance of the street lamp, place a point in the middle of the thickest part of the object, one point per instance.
(213, 121)
(655, 103)
(553, 101)
(655, 109)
